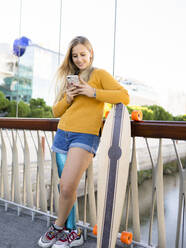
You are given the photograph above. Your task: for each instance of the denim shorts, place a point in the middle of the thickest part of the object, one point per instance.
(64, 140)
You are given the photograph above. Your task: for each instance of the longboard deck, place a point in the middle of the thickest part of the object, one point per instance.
(113, 160)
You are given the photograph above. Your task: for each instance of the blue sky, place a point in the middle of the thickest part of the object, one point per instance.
(150, 40)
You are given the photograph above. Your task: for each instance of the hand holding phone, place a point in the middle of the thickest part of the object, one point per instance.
(73, 80)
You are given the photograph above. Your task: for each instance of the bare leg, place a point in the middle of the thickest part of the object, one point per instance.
(77, 162)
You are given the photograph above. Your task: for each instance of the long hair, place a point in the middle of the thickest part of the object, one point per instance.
(68, 67)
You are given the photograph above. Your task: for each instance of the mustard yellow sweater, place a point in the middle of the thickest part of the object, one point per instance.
(85, 114)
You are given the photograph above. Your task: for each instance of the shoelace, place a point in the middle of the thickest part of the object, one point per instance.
(63, 236)
(72, 235)
(52, 232)
(68, 236)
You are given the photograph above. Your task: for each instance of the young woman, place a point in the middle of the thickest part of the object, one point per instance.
(80, 108)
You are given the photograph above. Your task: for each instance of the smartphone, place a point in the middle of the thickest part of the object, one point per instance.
(72, 80)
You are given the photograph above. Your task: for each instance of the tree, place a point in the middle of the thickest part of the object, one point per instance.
(159, 113)
(23, 109)
(48, 112)
(39, 109)
(4, 103)
(180, 118)
(12, 109)
(37, 103)
(37, 113)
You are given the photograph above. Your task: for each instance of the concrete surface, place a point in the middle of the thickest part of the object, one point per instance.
(21, 232)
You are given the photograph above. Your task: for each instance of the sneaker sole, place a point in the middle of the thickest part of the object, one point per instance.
(45, 245)
(77, 242)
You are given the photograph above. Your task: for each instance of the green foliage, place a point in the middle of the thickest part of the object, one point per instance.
(23, 109)
(37, 113)
(4, 103)
(155, 112)
(169, 168)
(179, 118)
(12, 109)
(39, 109)
(144, 175)
(37, 103)
(159, 113)
(48, 114)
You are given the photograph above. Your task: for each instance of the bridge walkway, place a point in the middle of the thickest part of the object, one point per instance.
(21, 232)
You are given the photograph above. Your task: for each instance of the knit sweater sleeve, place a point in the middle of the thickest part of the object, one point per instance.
(112, 91)
(60, 107)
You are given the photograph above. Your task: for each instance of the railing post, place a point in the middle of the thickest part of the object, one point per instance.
(43, 145)
(16, 194)
(91, 195)
(182, 199)
(153, 193)
(160, 199)
(54, 182)
(134, 191)
(41, 194)
(157, 194)
(27, 185)
(4, 178)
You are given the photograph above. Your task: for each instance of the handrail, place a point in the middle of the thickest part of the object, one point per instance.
(148, 129)
(45, 124)
(159, 129)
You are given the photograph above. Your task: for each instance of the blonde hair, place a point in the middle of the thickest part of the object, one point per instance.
(68, 67)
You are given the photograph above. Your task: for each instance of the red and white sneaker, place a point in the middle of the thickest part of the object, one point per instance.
(50, 237)
(69, 239)
(78, 240)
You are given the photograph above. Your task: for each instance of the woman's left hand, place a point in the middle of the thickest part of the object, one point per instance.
(85, 89)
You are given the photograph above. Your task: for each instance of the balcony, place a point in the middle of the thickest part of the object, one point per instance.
(29, 179)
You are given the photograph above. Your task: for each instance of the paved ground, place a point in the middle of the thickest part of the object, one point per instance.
(22, 232)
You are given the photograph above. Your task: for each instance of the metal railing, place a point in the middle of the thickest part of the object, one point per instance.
(29, 178)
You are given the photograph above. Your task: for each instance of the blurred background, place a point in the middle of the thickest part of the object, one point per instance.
(142, 43)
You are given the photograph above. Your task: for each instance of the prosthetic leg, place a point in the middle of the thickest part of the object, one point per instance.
(71, 220)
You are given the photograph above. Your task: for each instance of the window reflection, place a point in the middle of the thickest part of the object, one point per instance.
(28, 74)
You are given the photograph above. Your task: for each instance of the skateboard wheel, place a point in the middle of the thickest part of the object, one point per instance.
(95, 230)
(137, 115)
(126, 238)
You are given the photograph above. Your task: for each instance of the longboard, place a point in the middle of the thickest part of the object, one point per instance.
(113, 159)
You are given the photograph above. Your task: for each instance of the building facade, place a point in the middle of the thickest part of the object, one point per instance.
(28, 76)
